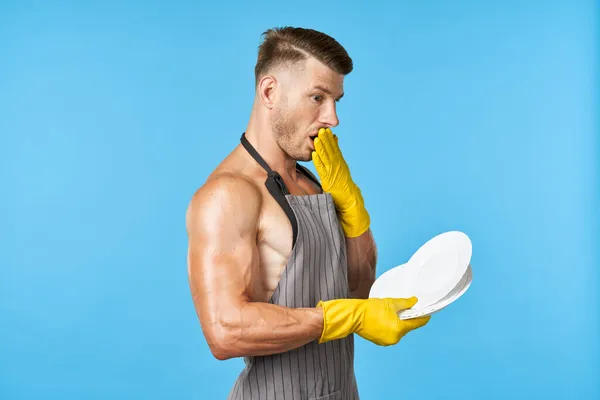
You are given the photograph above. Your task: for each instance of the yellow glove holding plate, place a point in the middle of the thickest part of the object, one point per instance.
(336, 179)
(373, 319)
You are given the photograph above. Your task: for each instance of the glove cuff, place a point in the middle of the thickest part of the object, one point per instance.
(340, 318)
(355, 221)
(352, 213)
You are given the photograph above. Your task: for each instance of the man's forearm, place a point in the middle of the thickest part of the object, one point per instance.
(362, 261)
(256, 329)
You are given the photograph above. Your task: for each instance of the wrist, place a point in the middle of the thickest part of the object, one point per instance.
(340, 318)
(351, 209)
(353, 214)
(355, 221)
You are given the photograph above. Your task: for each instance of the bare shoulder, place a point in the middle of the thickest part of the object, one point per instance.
(222, 220)
(224, 197)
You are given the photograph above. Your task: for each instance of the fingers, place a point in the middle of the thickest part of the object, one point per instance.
(322, 151)
(416, 323)
(402, 304)
(326, 137)
(334, 142)
(318, 163)
(316, 159)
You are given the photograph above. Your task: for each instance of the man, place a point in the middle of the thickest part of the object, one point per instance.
(280, 262)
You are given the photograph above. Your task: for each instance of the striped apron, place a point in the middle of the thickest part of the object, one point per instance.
(316, 270)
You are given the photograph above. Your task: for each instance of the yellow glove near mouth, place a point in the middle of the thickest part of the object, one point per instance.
(335, 179)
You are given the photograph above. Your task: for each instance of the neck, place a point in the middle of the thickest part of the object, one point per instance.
(261, 136)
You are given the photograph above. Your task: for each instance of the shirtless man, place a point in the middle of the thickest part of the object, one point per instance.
(281, 262)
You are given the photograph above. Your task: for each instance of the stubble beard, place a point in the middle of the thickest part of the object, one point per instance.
(285, 130)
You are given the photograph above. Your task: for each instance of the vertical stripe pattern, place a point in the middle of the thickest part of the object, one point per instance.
(316, 270)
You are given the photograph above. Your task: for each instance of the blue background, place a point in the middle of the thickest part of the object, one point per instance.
(459, 116)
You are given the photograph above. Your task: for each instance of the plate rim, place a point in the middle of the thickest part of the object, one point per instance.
(424, 251)
(433, 308)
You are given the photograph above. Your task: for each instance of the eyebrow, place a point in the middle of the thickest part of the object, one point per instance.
(324, 89)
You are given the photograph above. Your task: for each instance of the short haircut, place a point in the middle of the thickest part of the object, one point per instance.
(289, 45)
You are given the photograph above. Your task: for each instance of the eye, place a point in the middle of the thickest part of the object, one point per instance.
(318, 97)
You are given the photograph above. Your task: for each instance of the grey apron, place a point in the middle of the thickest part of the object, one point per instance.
(316, 270)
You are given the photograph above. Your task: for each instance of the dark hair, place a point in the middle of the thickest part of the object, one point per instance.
(289, 45)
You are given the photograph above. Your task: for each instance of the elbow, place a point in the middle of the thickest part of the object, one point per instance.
(223, 333)
(218, 350)
(221, 342)
(220, 354)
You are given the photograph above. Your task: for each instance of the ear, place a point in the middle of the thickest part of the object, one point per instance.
(266, 90)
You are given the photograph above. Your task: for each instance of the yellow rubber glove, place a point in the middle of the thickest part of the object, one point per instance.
(336, 179)
(373, 319)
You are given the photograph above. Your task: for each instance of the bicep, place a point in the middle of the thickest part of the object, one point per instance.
(222, 250)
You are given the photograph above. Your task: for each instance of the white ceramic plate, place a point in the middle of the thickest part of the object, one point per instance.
(397, 282)
(431, 273)
(450, 298)
(439, 266)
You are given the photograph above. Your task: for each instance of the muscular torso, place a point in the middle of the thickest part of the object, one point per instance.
(274, 230)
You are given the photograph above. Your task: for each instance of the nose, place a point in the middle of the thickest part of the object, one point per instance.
(329, 116)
